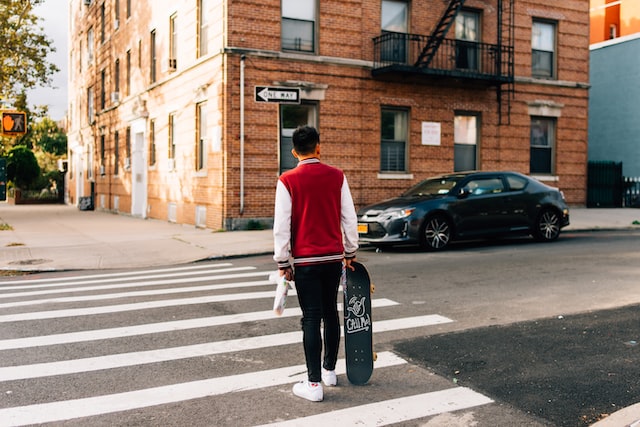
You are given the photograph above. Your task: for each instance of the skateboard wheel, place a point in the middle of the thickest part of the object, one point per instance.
(375, 356)
(372, 288)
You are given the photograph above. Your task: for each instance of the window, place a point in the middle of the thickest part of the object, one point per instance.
(465, 135)
(116, 153)
(467, 38)
(543, 42)
(482, 186)
(201, 136)
(299, 25)
(152, 64)
(292, 116)
(127, 147)
(102, 150)
(394, 24)
(516, 183)
(89, 46)
(116, 14)
(393, 140)
(203, 27)
(91, 112)
(128, 76)
(103, 89)
(128, 8)
(172, 134)
(152, 142)
(103, 16)
(116, 77)
(542, 145)
(173, 43)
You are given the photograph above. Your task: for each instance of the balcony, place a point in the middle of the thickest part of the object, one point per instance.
(400, 54)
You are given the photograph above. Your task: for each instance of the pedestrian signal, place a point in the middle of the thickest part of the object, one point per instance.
(14, 123)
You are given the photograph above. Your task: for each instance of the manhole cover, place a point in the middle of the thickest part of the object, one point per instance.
(30, 261)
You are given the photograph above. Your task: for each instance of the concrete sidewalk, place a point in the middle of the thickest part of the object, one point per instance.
(60, 237)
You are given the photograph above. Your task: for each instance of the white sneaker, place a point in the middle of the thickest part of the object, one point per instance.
(308, 390)
(329, 378)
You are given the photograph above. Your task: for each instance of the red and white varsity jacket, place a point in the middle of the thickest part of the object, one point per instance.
(315, 220)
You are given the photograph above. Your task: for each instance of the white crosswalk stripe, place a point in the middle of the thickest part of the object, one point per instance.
(71, 305)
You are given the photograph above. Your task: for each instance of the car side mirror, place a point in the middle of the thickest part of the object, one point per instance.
(464, 192)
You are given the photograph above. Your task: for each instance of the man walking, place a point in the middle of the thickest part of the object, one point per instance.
(315, 226)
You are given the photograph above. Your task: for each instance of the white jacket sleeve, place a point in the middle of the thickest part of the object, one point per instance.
(282, 227)
(349, 221)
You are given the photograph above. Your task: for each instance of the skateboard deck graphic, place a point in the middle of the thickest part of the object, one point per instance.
(358, 335)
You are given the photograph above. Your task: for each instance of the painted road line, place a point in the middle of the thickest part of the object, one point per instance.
(90, 278)
(395, 410)
(154, 328)
(98, 405)
(90, 311)
(164, 291)
(38, 370)
(179, 278)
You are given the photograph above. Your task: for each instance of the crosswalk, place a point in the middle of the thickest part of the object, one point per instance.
(101, 330)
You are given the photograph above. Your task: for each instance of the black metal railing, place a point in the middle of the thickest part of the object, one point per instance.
(401, 52)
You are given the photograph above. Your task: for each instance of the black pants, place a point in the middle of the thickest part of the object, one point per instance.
(317, 287)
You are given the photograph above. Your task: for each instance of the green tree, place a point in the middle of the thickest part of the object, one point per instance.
(22, 167)
(23, 63)
(48, 137)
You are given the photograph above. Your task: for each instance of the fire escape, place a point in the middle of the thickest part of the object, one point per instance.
(398, 55)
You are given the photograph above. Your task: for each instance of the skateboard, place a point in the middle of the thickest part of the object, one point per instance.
(358, 335)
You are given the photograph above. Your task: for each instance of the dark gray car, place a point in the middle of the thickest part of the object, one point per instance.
(466, 205)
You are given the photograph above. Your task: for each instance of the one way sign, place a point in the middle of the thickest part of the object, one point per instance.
(283, 95)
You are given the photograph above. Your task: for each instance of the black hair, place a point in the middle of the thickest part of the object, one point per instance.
(305, 139)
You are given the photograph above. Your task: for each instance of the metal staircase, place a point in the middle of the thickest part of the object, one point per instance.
(439, 33)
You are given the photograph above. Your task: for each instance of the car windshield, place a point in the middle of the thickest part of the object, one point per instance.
(434, 186)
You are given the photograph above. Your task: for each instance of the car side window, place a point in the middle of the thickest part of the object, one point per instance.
(516, 183)
(485, 186)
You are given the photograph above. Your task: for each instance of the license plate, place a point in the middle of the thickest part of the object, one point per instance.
(363, 228)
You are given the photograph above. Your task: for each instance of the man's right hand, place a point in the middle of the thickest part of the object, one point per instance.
(287, 272)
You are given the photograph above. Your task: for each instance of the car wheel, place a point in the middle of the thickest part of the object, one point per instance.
(547, 226)
(436, 233)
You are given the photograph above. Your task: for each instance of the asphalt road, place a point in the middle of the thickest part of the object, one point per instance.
(486, 334)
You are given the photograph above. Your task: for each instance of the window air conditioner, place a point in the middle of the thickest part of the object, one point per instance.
(87, 2)
(171, 164)
(127, 163)
(115, 97)
(102, 170)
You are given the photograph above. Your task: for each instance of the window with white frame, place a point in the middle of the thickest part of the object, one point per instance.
(203, 28)
(173, 42)
(152, 142)
(172, 136)
(299, 25)
(153, 58)
(201, 136)
(394, 133)
(91, 112)
(543, 139)
(543, 46)
(90, 41)
(292, 116)
(465, 135)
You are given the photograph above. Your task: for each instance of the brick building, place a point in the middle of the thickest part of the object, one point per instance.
(183, 110)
